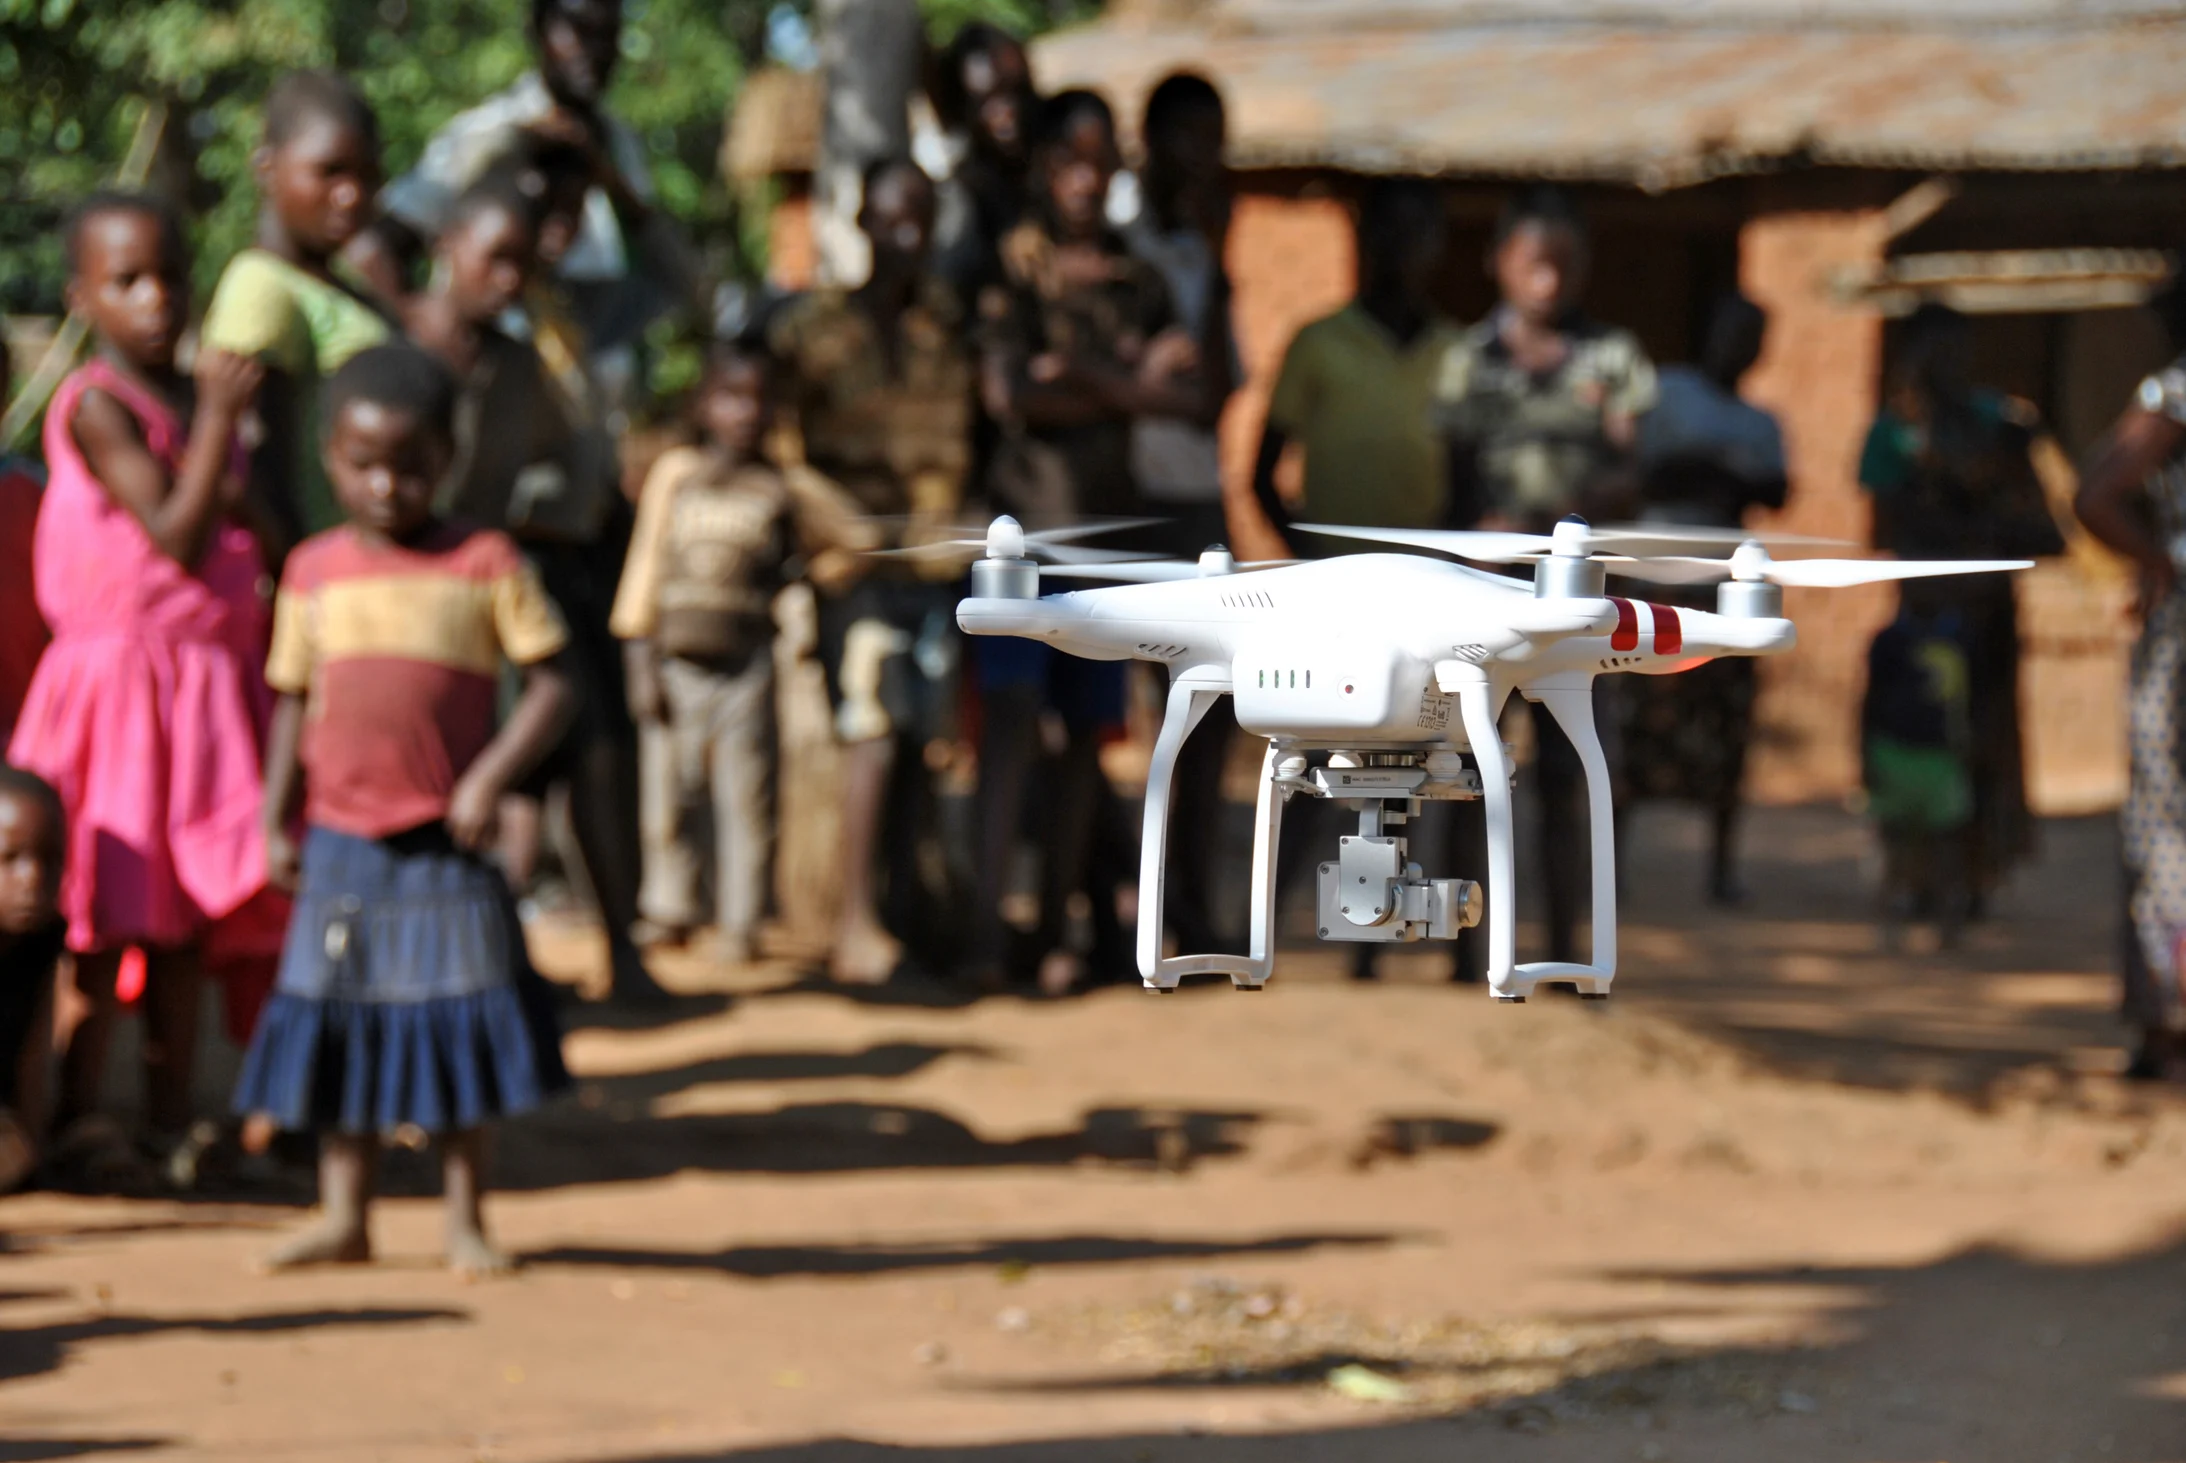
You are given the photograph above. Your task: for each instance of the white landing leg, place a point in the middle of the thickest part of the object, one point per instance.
(1188, 702)
(1570, 699)
(1480, 701)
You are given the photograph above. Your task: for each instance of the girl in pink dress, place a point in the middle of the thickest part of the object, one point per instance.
(148, 711)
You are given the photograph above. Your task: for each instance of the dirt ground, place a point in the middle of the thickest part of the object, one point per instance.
(1786, 1197)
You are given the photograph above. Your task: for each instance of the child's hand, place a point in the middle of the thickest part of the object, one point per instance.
(473, 811)
(284, 861)
(227, 383)
(1169, 354)
(647, 704)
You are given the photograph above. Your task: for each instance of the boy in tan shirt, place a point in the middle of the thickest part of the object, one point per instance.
(720, 531)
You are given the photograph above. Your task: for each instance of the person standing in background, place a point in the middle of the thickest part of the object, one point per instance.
(2133, 498)
(1356, 389)
(1706, 458)
(1181, 231)
(721, 530)
(618, 265)
(148, 711)
(1355, 398)
(983, 97)
(1950, 469)
(283, 300)
(1079, 342)
(625, 266)
(510, 422)
(877, 391)
(1542, 406)
(23, 633)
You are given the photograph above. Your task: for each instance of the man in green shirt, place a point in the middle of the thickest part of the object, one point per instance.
(1357, 387)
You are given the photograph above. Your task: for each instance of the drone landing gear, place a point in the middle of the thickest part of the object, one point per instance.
(1570, 699)
(1189, 699)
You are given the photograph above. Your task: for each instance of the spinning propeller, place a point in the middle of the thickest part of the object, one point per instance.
(1653, 553)
(1750, 563)
(1006, 538)
(1572, 538)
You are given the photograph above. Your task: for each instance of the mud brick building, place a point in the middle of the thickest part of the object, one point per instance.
(1839, 160)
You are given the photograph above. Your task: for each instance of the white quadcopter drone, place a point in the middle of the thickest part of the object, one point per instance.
(1378, 680)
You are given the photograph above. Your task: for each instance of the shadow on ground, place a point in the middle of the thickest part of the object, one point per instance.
(1984, 1354)
(28, 1351)
(570, 1145)
(39, 1450)
(775, 1261)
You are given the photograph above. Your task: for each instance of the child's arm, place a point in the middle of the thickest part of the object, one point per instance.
(533, 727)
(284, 785)
(637, 594)
(179, 515)
(33, 1067)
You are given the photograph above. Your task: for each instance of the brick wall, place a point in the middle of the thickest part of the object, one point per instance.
(1818, 374)
(792, 259)
(1291, 262)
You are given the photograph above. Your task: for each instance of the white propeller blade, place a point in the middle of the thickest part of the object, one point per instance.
(1150, 571)
(1487, 546)
(967, 550)
(1806, 573)
(1843, 573)
(1495, 547)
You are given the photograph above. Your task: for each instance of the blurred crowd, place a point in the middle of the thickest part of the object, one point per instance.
(298, 642)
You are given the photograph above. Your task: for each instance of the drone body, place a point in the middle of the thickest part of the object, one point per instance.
(1378, 680)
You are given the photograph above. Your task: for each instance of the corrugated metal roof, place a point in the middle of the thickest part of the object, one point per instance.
(2038, 86)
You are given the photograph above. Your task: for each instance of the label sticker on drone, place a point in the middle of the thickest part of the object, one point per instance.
(1434, 710)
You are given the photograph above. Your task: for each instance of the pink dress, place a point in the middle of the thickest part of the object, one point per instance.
(148, 711)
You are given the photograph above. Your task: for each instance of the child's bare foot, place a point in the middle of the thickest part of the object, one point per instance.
(331, 1241)
(865, 954)
(472, 1257)
(259, 1131)
(1061, 973)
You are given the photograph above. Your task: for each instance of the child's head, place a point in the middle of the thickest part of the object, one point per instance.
(1737, 328)
(579, 42)
(1934, 359)
(1078, 159)
(1185, 131)
(1540, 254)
(319, 165)
(33, 840)
(896, 211)
(485, 254)
(983, 85)
(563, 177)
(1400, 236)
(129, 275)
(733, 396)
(390, 435)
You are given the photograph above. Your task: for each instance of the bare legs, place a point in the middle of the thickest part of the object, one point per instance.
(348, 1170)
(348, 1176)
(463, 1196)
(865, 953)
(83, 1028)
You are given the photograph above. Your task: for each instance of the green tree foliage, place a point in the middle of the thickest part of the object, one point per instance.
(76, 77)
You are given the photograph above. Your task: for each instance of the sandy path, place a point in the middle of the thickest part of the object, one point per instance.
(1786, 1197)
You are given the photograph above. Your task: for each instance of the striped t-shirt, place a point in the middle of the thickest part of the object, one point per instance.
(397, 649)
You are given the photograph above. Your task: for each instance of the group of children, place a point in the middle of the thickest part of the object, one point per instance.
(296, 799)
(297, 794)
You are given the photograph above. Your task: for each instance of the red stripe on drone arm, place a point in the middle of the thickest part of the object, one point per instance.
(1669, 633)
(1626, 635)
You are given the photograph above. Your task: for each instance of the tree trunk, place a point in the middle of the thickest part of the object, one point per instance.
(870, 55)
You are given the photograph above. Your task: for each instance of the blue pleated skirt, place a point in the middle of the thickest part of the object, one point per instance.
(405, 995)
